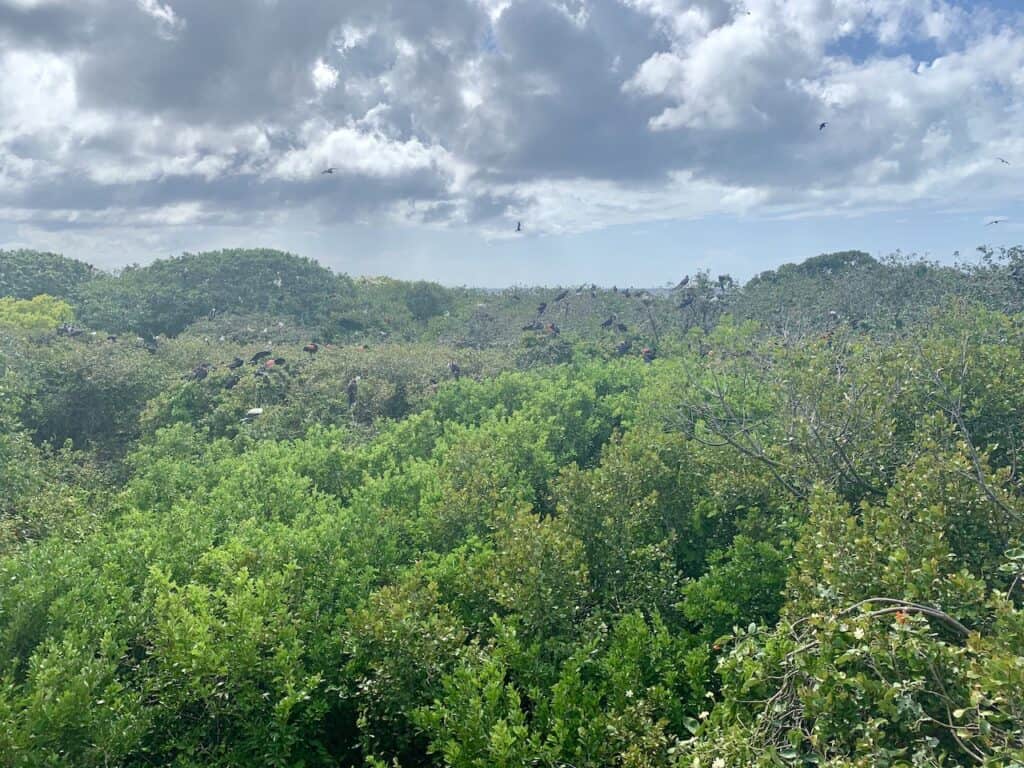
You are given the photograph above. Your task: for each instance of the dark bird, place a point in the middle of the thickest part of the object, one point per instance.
(552, 329)
(230, 382)
(199, 373)
(534, 326)
(312, 348)
(516, 297)
(328, 171)
(623, 347)
(683, 283)
(352, 390)
(111, 337)
(621, 327)
(1003, 160)
(541, 307)
(561, 296)
(686, 302)
(236, 364)
(260, 356)
(648, 354)
(454, 369)
(608, 323)
(519, 226)
(995, 221)
(626, 292)
(822, 126)
(277, 362)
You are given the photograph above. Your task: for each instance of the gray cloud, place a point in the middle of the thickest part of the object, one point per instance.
(467, 113)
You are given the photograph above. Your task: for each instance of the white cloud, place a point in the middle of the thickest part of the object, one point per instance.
(325, 76)
(168, 22)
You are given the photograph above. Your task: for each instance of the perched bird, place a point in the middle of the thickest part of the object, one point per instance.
(236, 364)
(230, 382)
(352, 390)
(312, 348)
(995, 221)
(541, 307)
(251, 414)
(1003, 160)
(200, 372)
(683, 283)
(454, 369)
(823, 126)
(328, 171)
(561, 296)
(608, 323)
(260, 356)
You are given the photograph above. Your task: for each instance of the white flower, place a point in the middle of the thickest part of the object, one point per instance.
(859, 633)
(718, 763)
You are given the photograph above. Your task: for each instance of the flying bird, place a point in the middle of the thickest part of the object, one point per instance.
(822, 126)
(519, 226)
(995, 221)
(1003, 160)
(328, 171)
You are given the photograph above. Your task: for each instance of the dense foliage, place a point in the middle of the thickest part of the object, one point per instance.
(449, 534)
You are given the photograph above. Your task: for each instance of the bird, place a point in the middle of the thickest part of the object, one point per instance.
(352, 390)
(561, 296)
(648, 354)
(111, 337)
(236, 364)
(200, 372)
(328, 171)
(995, 221)
(519, 226)
(312, 348)
(454, 369)
(1003, 160)
(683, 283)
(534, 326)
(230, 382)
(541, 307)
(626, 292)
(822, 126)
(260, 356)
(608, 323)
(686, 302)
(552, 329)
(621, 327)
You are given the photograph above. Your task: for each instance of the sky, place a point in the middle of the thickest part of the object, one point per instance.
(636, 140)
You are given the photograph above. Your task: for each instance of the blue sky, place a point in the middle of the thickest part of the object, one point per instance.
(637, 140)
